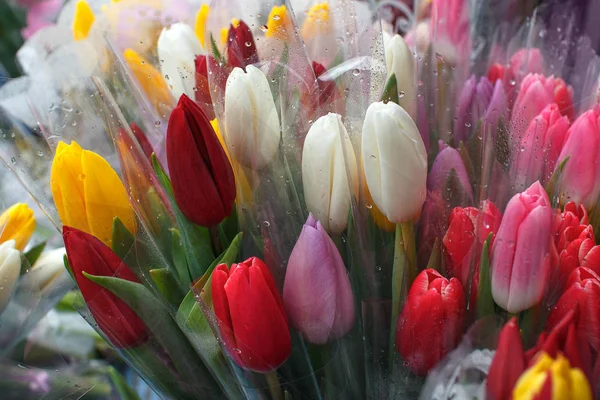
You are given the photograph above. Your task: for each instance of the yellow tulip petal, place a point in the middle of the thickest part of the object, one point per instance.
(278, 23)
(149, 78)
(225, 30)
(83, 20)
(67, 186)
(580, 386)
(105, 197)
(317, 21)
(18, 223)
(200, 27)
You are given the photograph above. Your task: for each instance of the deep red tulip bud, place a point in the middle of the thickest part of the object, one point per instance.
(583, 293)
(251, 316)
(241, 49)
(327, 89)
(431, 322)
(573, 215)
(204, 64)
(495, 72)
(88, 254)
(574, 246)
(508, 363)
(142, 139)
(202, 177)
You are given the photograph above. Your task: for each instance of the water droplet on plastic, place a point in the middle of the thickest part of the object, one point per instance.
(276, 17)
(401, 94)
(369, 206)
(248, 44)
(157, 123)
(468, 124)
(40, 153)
(13, 160)
(266, 223)
(356, 72)
(81, 177)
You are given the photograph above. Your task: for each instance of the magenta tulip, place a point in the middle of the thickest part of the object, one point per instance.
(316, 291)
(521, 252)
(580, 179)
(540, 148)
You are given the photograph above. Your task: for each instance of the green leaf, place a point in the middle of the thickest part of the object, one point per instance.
(66, 303)
(122, 239)
(68, 266)
(167, 285)
(157, 318)
(215, 49)
(435, 260)
(123, 389)
(552, 185)
(399, 275)
(34, 253)
(485, 302)
(502, 146)
(390, 92)
(195, 239)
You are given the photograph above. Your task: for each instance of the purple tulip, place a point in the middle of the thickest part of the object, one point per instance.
(316, 292)
(478, 101)
(521, 252)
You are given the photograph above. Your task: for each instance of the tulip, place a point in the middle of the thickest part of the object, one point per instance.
(87, 254)
(202, 177)
(200, 24)
(241, 49)
(10, 269)
(431, 322)
(327, 88)
(391, 146)
(552, 379)
(576, 247)
(141, 138)
(252, 130)
(580, 178)
(400, 61)
(539, 148)
(316, 291)
(279, 23)
(508, 363)
(251, 316)
(583, 293)
(151, 81)
(572, 215)
(206, 65)
(48, 268)
(177, 49)
(450, 22)
(18, 223)
(82, 20)
(535, 93)
(328, 184)
(521, 252)
(462, 241)
(318, 33)
(88, 193)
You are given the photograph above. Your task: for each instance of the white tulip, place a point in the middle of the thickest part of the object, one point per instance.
(10, 269)
(46, 270)
(324, 175)
(395, 161)
(252, 130)
(400, 61)
(177, 49)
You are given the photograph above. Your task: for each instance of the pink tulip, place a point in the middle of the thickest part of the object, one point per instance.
(540, 148)
(535, 93)
(521, 252)
(450, 26)
(317, 292)
(580, 179)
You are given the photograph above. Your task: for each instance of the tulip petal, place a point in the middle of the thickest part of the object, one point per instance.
(508, 363)
(10, 269)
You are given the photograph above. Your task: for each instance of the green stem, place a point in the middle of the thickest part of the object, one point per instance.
(398, 272)
(410, 248)
(215, 239)
(274, 385)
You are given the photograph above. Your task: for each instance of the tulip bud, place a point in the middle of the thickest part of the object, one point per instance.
(431, 321)
(572, 215)
(400, 61)
(580, 178)
(317, 292)
(177, 48)
(583, 293)
(116, 319)
(326, 180)
(552, 379)
(49, 267)
(508, 363)
(391, 146)
(10, 269)
(82, 20)
(88, 193)
(574, 246)
(521, 252)
(18, 223)
(251, 316)
(204, 64)
(252, 130)
(202, 177)
(241, 49)
(539, 148)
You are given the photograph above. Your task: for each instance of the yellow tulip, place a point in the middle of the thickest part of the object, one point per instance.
(18, 223)
(317, 21)
(82, 20)
(88, 193)
(150, 79)
(200, 26)
(225, 30)
(567, 383)
(278, 23)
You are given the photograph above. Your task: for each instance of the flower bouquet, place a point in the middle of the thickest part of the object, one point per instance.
(279, 200)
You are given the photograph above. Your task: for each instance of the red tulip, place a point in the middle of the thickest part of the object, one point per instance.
(576, 247)
(508, 363)
(327, 89)
(87, 254)
(462, 242)
(496, 72)
(583, 294)
(142, 139)
(202, 177)
(431, 322)
(206, 65)
(241, 49)
(252, 319)
(572, 215)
